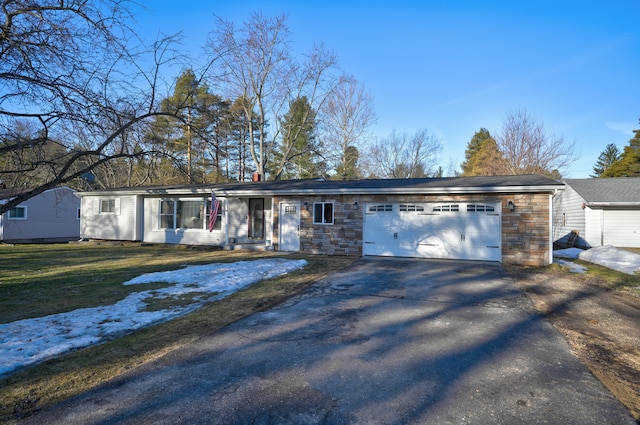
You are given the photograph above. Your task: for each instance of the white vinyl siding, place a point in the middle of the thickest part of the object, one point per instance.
(569, 215)
(183, 220)
(122, 224)
(48, 217)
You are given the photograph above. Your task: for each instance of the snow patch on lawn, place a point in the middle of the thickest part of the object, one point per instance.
(606, 256)
(30, 341)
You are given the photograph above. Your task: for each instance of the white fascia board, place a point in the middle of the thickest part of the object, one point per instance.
(329, 191)
(390, 191)
(144, 192)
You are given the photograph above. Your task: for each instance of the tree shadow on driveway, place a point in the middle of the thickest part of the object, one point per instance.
(384, 341)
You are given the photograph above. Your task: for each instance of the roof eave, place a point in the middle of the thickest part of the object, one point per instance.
(613, 204)
(325, 191)
(390, 191)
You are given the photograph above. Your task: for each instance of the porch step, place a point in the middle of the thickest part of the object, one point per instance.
(248, 247)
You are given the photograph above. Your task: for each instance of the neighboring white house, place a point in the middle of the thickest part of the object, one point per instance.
(52, 216)
(498, 218)
(603, 211)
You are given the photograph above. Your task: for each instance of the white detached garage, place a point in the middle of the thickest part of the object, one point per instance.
(603, 211)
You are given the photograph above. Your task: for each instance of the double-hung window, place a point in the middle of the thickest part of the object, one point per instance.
(167, 214)
(107, 206)
(218, 224)
(323, 213)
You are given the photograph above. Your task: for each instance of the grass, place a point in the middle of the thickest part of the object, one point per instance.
(38, 280)
(595, 275)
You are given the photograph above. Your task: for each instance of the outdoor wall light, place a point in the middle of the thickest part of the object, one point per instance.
(306, 206)
(511, 205)
(355, 205)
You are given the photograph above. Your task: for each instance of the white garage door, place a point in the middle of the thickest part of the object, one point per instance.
(466, 231)
(621, 228)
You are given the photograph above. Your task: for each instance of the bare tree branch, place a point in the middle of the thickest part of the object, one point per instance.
(528, 149)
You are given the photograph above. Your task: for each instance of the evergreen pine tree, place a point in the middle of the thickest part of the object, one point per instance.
(610, 155)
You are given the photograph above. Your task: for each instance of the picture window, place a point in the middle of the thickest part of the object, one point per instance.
(187, 214)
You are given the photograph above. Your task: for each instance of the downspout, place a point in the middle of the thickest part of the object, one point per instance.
(602, 227)
(226, 221)
(1, 224)
(550, 229)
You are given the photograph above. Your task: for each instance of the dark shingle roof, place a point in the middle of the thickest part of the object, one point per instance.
(526, 183)
(623, 190)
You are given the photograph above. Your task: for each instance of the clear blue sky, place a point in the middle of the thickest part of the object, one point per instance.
(454, 67)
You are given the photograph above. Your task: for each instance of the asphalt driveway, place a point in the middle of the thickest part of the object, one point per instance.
(386, 341)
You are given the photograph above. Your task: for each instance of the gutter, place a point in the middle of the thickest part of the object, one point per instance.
(613, 204)
(391, 191)
(220, 191)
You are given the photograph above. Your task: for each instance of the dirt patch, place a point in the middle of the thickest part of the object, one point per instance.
(601, 326)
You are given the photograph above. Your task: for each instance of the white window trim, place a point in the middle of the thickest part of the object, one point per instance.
(116, 206)
(173, 214)
(333, 214)
(205, 225)
(24, 207)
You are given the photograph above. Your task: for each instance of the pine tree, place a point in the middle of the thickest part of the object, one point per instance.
(610, 155)
(629, 163)
(483, 156)
(488, 160)
(347, 168)
(473, 147)
(298, 149)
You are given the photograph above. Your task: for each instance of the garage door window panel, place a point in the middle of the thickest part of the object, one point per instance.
(480, 208)
(381, 208)
(447, 208)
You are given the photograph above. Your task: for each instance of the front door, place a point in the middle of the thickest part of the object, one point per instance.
(256, 218)
(289, 226)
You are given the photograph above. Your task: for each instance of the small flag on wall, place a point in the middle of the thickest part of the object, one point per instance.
(213, 213)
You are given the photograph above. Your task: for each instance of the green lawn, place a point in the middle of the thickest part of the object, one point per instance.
(38, 280)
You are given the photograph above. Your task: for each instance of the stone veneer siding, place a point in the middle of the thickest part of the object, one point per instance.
(525, 231)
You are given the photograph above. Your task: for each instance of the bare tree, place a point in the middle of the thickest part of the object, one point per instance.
(257, 65)
(401, 156)
(346, 116)
(69, 75)
(313, 82)
(528, 149)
